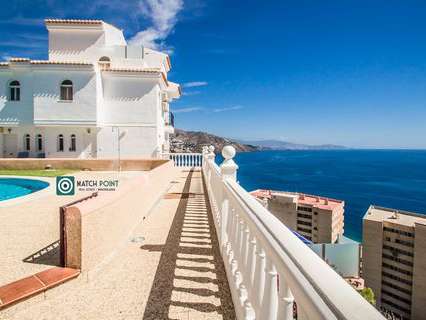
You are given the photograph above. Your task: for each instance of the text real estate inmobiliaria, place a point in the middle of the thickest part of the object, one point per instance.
(96, 97)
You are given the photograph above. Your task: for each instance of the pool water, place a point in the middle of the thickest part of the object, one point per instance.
(15, 187)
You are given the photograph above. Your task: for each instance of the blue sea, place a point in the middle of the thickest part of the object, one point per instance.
(388, 178)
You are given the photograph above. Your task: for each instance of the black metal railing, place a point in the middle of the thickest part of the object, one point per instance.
(171, 119)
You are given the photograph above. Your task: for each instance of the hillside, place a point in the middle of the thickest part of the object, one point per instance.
(284, 145)
(193, 141)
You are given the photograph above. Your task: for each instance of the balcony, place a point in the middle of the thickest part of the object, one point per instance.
(182, 240)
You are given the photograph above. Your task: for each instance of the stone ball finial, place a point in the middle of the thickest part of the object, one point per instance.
(228, 152)
(211, 149)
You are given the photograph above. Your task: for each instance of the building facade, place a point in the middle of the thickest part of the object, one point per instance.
(318, 219)
(95, 97)
(394, 260)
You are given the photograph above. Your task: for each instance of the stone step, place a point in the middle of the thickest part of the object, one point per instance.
(22, 289)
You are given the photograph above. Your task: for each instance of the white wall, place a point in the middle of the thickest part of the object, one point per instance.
(85, 142)
(134, 142)
(47, 105)
(72, 45)
(16, 112)
(129, 101)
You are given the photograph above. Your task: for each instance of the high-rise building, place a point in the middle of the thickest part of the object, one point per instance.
(318, 219)
(394, 260)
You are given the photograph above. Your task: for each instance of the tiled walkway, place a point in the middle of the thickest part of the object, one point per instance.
(176, 273)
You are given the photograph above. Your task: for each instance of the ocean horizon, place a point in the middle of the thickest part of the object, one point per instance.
(392, 178)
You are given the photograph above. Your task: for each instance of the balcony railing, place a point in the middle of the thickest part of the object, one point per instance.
(185, 160)
(271, 273)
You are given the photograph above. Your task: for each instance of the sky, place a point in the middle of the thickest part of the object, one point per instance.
(342, 72)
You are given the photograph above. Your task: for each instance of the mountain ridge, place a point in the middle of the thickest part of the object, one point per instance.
(193, 141)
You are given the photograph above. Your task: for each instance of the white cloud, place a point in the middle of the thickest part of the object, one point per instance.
(186, 110)
(163, 16)
(190, 93)
(228, 109)
(195, 84)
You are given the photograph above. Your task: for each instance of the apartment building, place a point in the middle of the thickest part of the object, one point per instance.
(394, 260)
(318, 219)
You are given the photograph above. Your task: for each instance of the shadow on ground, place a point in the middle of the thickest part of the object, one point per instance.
(180, 282)
(48, 255)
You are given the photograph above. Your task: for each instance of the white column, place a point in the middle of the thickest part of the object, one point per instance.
(228, 171)
(286, 299)
(259, 277)
(270, 298)
(228, 168)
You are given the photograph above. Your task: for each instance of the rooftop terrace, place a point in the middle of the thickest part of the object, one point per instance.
(184, 242)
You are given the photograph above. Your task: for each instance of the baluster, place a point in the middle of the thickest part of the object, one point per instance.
(259, 281)
(235, 236)
(251, 263)
(224, 217)
(243, 295)
(286, 299)
(270, 299)
(228, 245)
(241, 243)
(246, 244)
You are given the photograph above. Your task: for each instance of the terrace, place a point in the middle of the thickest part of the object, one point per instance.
(187, 242)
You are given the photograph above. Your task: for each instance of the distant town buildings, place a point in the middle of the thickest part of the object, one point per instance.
(318, 219)
(394, 260)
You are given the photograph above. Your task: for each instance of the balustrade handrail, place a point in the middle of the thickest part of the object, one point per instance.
(320, 293)
(184, 159)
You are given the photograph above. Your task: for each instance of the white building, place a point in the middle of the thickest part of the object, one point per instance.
(96, 97)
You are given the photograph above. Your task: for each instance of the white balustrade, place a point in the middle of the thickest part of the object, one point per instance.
(185, 160)
(269, 269)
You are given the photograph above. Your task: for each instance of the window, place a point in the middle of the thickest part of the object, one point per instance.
(15, 90)
(73, 143)
(66, 90)
(27, 142)
(39, 142)
(104, 62)
(61, 143)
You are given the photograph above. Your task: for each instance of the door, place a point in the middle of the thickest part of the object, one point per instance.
(10, 145)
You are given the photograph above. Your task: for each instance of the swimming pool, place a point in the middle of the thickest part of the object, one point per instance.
(16, 187)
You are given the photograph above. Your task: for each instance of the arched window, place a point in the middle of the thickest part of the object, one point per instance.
(15, 90)
(66, 90)
(61, 143)
(27, 142)
(104, 62)
(104, 59)
(39, 142)
(73, 145)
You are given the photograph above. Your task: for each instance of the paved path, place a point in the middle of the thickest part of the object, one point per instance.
(29, 229)
(175, 273)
